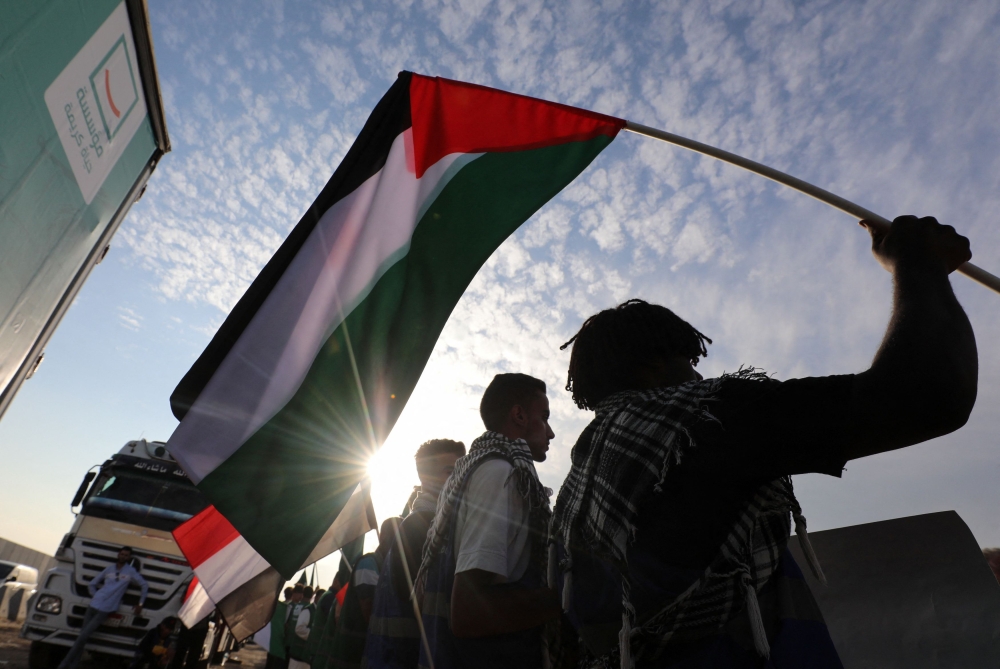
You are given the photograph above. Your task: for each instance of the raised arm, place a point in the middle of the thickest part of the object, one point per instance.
(922, 382)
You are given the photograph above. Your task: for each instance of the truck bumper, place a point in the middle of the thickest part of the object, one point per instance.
(99, 642)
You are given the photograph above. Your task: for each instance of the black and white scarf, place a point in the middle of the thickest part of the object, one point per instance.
(536, 497)
(524, 477)
(626, 453)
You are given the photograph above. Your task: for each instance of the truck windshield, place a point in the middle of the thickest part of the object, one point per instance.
(143, 499)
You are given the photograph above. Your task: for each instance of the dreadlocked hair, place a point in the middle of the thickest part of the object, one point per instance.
(612, 345)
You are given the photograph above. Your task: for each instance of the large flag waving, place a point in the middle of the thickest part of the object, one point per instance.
(312, 367)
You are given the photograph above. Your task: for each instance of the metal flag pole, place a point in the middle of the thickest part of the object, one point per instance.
(968, 269)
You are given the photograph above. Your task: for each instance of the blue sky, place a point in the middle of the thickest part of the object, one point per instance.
(890, 104)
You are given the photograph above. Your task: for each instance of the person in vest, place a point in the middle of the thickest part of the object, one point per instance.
(277, 652)
(352, 629)
(484, 602)
(679, 504)
(291, 615)
(393, 633)
(297, 631)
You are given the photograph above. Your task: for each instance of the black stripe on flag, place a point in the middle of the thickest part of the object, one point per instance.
(364, 159)
(249, 607)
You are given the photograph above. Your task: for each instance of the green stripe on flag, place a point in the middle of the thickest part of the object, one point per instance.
(285, 486)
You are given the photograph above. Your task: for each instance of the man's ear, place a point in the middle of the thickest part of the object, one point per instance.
(518, 415)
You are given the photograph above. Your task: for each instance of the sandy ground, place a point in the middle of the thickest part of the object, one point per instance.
(14, 652)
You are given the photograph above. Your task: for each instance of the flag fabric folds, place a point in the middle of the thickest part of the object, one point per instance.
(305, 378)
(233, 577)
(197, 604)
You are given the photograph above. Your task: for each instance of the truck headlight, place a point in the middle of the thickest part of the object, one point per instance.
(49, 604)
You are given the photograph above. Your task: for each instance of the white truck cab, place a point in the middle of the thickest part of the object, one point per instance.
(134, 499)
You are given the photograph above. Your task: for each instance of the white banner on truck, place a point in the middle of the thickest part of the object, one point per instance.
(97, 103)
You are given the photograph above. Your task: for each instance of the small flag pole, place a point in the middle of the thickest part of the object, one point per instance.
(968, 269)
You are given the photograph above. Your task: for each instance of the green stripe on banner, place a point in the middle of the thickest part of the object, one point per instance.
(285, 486)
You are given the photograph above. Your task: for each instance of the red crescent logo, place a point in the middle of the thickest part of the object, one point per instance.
(107, 89)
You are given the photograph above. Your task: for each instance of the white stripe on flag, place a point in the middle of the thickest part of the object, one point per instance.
(197, 606)
(231, 567)
(354, 243)
(237, 562)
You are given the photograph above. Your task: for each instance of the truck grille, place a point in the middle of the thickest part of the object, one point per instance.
(164, 575)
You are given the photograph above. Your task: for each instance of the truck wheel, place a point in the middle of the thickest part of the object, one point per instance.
(45, 656)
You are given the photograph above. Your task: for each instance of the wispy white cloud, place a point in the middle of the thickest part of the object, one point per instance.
(129, 319)
(889, 103)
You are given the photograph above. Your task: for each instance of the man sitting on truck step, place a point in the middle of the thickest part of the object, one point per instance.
(106, 592)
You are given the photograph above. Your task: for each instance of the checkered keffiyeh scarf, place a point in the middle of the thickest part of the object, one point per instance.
(536, 496)
(625, 454)
(524, 477)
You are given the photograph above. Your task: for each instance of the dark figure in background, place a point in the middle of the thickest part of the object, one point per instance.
(352, 628)
(157, 647)
(190, 643)
(292, 611)
(435, 460)
(393, 633)
(326, 607)
(297, 630)
(277, 651)
(676, 507)
(484, 603)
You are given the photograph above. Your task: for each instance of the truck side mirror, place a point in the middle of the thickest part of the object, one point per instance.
(82, 490)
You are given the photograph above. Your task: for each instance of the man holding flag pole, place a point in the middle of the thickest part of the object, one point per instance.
(676, 509)
(307, 375)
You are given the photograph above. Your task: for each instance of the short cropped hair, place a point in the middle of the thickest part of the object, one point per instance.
(504, 392)
(307, 592)
(125, 548)
(434, 447)
(614, 344)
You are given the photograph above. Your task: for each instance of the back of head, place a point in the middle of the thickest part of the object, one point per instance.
(614, 344)
(307, 593)
(505, 392)
(434, 447)
(387, 533)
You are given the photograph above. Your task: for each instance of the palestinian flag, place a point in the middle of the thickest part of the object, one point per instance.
(304, 380)
(236, 579)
